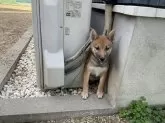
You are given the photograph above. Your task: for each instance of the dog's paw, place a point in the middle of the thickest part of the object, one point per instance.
(84, 95)
(100, 95)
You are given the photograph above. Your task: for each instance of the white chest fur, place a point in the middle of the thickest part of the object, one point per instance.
(97, 70)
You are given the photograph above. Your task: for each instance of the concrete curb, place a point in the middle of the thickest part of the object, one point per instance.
(8, 61)
(52, 108)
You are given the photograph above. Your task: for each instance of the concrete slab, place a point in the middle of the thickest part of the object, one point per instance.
(9, 60)
(139, 11)
(51, 108)
(134, 10)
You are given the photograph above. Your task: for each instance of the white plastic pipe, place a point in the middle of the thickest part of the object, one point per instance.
(108, 18)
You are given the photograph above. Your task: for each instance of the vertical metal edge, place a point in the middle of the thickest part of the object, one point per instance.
(64, 4)
(38, 42)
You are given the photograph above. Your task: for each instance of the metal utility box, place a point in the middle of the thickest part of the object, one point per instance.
(61, 29)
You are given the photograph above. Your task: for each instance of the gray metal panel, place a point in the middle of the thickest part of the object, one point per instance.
(52, 42)
(38, 41)
(77, 25)
(97, 20)
(49, 38)
(48, 35)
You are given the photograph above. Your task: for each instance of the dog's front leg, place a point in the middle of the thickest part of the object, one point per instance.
(84, 93)
(100, 90)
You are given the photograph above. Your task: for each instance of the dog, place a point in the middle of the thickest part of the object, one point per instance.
(97, 62)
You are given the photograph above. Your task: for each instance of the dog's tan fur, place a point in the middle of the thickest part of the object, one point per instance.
(97, 63)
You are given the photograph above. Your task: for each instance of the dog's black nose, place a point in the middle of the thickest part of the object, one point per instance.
(102, 59)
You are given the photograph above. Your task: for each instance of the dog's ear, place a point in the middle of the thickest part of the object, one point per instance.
(93, 35)
(110, 36)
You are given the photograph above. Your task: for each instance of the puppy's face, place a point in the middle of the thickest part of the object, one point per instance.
(101, 46)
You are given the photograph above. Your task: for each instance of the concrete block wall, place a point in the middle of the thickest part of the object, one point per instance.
(144, 68)
(138, 62)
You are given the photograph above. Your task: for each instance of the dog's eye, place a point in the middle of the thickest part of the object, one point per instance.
(107, 48)
(97, 48)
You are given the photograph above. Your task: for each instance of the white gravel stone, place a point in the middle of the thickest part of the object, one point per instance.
(89, 119)
(74, 92)
(23, 83)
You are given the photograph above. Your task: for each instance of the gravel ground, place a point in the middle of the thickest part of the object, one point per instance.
(89, 119)
(22, 83)
(13, 23)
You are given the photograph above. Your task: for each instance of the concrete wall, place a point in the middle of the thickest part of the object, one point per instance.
(138, 62)
(144, 70)
(124, 27)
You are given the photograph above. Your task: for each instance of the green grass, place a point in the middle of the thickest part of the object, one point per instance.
(7, 1)
(14, 1)
(139, 111)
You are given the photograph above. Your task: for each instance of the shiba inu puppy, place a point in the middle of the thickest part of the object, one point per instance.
(97, 63)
